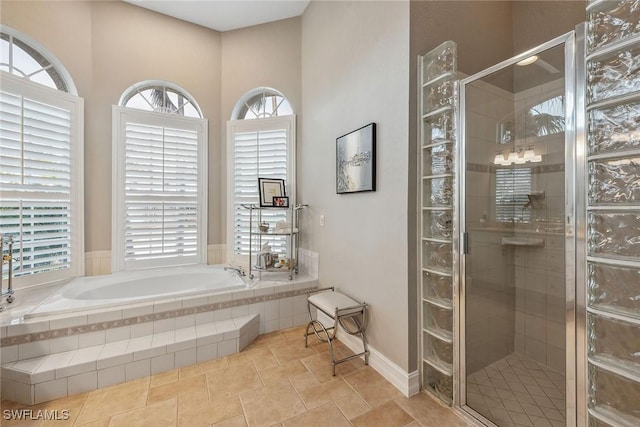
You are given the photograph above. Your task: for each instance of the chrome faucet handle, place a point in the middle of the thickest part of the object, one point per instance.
(238, 270)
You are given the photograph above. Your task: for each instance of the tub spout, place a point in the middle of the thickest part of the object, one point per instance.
(238, 270)
(8, 258)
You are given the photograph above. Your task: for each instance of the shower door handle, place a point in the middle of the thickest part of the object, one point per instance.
(465, 243)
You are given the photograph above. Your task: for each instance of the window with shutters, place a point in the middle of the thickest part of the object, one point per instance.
(264, 147)
(512, 189)
(41, 166)
(160, 170)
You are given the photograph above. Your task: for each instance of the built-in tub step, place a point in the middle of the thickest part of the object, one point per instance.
(37, 380)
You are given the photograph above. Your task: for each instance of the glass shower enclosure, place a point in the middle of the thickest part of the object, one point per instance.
(517, 219)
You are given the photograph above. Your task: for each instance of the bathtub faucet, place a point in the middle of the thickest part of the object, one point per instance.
(8, 259)
(238, 270)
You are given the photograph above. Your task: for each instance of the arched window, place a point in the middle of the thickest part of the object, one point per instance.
(261, 143)
(25, 58)
(41, 162)
(262, 103)
(161, 97)
(159, 186)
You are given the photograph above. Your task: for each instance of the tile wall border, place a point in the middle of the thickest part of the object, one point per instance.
(151, 317)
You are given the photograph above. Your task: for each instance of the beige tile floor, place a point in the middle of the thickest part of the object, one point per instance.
(276, 381)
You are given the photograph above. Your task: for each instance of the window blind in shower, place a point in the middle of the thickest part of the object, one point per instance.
(512, 188)
(40, 161)
(163, 188)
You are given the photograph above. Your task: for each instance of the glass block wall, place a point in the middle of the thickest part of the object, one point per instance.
(613, 212)
(438, 103)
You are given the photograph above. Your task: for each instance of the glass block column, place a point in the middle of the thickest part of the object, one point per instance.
(438, 103)
(613, 212)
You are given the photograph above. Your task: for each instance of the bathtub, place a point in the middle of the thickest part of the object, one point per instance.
(99, 331)
(132, 287)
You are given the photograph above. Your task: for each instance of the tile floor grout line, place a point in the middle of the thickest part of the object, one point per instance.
(122, 412)
(84, 402)
(253, 363)
(316, 367)
(244, 412)
(177, 407)
(359, 397)
(356, 391)
(149, 393)
(298, 393)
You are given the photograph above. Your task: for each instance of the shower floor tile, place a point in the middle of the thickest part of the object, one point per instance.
(518, 391)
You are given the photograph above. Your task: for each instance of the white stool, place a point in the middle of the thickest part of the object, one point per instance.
(347, 312)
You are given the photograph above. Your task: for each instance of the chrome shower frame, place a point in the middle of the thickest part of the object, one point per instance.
(575, 229)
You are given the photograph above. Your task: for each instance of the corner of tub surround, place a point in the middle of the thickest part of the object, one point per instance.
(308, 262)
(58, 330)
(217, 254)
(97, 263)
(102, 364)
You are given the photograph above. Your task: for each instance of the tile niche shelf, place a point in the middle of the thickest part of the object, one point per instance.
(438, 98)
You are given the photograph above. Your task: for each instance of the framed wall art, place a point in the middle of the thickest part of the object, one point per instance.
(270, 188)
(356, 160)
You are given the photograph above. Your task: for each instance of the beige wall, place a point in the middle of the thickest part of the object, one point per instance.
(355, 58)
(266, 55)
(483, 32)
(146, 46)
(536, 22)
(107, 47)
(63, 28)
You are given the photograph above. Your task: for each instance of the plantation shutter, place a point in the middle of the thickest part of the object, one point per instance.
(257, 154)
(512, 188)
(161, 193)
(36, 169)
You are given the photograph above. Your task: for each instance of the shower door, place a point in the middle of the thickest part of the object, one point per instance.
(517, 259)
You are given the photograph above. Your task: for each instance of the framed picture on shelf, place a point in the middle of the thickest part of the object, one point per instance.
(356, 160)
(269, 189)
(281, 202)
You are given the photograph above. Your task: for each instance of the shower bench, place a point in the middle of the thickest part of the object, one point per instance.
(342, 310)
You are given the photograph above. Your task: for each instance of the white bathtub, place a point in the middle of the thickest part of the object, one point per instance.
(89, 293)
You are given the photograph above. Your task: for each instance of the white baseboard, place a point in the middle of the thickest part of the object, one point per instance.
(407, 382)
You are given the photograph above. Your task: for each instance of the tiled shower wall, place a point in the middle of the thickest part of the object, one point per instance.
(613, 212)
(490, 271)
(540, 271)
(503, 280)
